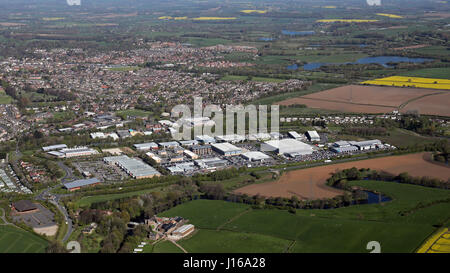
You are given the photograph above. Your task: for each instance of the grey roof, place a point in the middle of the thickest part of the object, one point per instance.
(81, 183)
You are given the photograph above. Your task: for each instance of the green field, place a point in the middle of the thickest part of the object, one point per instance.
(4, 99)
(437, 73)
(207, 214)
(15, 240)
(226, 227)
(162, 247)
(284, 96)
(88, 200)
(234, 242)
(133, 112)
(402, 138)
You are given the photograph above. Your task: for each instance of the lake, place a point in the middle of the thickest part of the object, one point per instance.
(382, 60)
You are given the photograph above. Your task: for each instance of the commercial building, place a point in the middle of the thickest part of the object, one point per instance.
(182, 168)
(123, 133)
(255, 156)
(190, 154)
(169, 145)
(367, 144)
(295, 135)
(260, 136)
(226, 149)
(24, 206)
(288, 146)
(78, 184)
(202, 149)
(146, 146)
(132, 166)
(156, 158)
(188, 143)
(73, 152)
(205, 139)
(54, 147)
(230, 138)
(343, 147)
(211, 163)
(312, 136)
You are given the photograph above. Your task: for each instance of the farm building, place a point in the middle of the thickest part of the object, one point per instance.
(146, 146)
(132, 166)
(255, 156)
(226, 149)
(78, 184)
(312, 136)
(287, 146)
(183, 230)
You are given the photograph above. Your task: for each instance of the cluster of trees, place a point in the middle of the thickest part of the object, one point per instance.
(340, 179)
(365, 131)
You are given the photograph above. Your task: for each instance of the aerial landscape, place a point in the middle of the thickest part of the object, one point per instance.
(258, 126)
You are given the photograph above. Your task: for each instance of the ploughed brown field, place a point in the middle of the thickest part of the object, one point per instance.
(310, 183)
(377, 99)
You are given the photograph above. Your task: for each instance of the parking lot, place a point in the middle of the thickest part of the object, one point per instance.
(100, 170)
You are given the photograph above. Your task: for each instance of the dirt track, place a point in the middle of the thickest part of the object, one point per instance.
(310, 183)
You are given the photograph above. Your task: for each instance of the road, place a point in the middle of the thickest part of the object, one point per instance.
(55, 198)
(3, 217)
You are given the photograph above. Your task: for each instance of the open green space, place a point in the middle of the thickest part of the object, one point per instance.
(223, 241)
(162, 247)
(403, 138)
(133, 112)
(437, 73)
(88, 200)
(15, 240)
(4, 99)
(284, 96)
(399, 225)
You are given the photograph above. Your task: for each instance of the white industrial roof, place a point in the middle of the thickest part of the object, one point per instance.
(287, 145)
(254, 155)
(226, 147)
(313, 134)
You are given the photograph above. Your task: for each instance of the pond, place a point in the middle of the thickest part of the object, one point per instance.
(382, 60)
(374, 198)
(266, 39)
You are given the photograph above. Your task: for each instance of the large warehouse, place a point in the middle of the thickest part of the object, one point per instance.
(255, 156)
(132, 166)
(226, 149)
(287, 146)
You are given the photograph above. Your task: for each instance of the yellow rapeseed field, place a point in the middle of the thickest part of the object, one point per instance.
(329, 7)
(345, 21)
(438, 243)
(253, 11)
(390, 15)
(401, 81)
